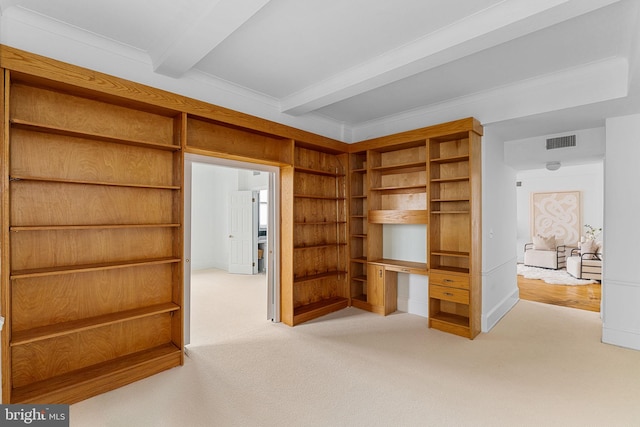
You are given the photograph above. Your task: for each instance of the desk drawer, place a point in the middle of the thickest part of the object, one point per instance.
(449, 294)
(449, 280)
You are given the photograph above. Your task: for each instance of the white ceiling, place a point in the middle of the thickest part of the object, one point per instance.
(356, 69)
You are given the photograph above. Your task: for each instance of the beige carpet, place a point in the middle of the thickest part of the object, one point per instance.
(542, 365)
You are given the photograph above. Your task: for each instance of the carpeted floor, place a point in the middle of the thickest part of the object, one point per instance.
(541, 365)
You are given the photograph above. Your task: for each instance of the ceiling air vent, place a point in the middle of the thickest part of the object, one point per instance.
(561, 142)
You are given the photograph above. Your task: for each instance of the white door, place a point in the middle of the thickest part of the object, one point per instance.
(243, 232)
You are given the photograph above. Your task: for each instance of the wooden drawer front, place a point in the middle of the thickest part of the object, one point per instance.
(449, 294)
(449, 280)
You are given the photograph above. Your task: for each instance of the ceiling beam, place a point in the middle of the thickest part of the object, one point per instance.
(499, 24)
(178, 54)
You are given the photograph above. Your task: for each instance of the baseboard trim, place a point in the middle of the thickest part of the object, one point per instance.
(620, 338)
(491, 319)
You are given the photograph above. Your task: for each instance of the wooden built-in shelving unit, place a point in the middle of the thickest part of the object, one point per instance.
(318, 234)
(92, 222)
(95, 241)
(454, 235)
(429, 176)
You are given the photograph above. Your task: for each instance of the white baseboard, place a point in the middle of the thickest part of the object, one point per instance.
(499, 293)
(491, 318)
(620, 338)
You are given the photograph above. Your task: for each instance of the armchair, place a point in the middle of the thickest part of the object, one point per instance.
(545, 252)
(585, 265)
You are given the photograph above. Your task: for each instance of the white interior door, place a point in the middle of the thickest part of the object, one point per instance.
(243, 232)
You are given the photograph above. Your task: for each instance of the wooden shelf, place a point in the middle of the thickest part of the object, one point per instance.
(54, 271)
(56, 330)
(37, 127)
(311, 196)
(452, 159)
(360, 278)
(402, 266)
(401, 168)
(359, 196)
(449, 212)
(361, 260)
(14, 178)
(318, 172)
(409, 189)
(88, 227)
(320, 308)
(362, 170)
(453, 179)
(358, 236)
(319, 222)
(451, 254)
(318, 276)
(398, 217)
(462, 199)
(319, 246)
(80, 384)
(449, 269)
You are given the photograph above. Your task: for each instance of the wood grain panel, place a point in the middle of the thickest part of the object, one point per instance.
(79, 296)
(317, 210)
(43, 155)
(317, 290)
(228, 141)
(320, 160)
(41, 360)
(461, 126)
(50, 203)
(58, 248)
(49, 107)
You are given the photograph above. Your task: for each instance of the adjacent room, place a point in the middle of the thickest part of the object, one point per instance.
(560, 195)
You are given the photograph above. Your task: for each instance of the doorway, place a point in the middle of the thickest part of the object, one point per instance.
(586, 178)
(209, 183)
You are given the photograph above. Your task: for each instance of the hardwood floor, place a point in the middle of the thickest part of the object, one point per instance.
(584, 297)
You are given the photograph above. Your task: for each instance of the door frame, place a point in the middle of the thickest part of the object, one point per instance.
(273, 236)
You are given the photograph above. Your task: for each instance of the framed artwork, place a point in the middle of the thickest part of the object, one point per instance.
(557, 214)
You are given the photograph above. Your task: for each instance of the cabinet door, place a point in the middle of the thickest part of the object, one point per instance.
(375, 285)
(382, 289)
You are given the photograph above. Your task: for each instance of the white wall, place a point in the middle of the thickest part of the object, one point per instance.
(621, 275)
(588, 179)
(499, 283)
(211, 185)
(408, 242)
(209, 215)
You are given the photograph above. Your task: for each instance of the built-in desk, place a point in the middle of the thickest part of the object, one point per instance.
(400, 266)
(382, 284)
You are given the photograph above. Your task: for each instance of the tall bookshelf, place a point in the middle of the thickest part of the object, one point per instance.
(358, 229)
(95, 243)
(319, 237)
(454, 235)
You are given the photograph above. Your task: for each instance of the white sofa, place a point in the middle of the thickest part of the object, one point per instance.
(545, 252)
(586, 263)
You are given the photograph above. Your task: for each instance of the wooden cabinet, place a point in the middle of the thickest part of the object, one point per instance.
(427, 176)
(454, 233)
(382, 289)
(388, 186)
(319, 236)
(94, 243)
